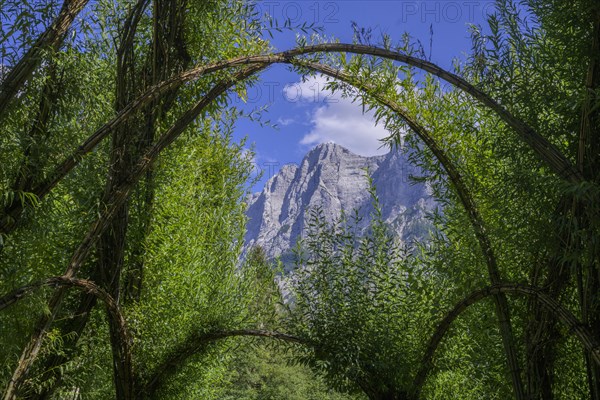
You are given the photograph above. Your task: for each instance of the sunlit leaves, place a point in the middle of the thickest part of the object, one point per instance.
(363, 302)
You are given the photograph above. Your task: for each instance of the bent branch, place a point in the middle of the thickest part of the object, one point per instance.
(545, 150)
(575, 327)
(87, 287)
(194, 344)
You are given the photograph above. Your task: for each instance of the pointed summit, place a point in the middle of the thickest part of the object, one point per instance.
(330, 146)
(328, 149)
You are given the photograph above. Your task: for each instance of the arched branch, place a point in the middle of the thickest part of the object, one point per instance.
(575, 327)
(557, 162)
(51, 38)
(451, 169)
(468, 202)
(120, 195)
(87, 287)
(81, 284)
(195, 344)
(545, 150)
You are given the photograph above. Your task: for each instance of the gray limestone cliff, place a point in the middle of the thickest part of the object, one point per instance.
(334, 179)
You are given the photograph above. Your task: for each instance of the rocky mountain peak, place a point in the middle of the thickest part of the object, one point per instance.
(333, 178)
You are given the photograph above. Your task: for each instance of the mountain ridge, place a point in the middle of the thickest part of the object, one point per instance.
(333, 178)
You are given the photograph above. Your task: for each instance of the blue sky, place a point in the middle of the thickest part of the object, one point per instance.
(305, 115)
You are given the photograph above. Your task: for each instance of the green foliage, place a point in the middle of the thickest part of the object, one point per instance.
(263, 373)
(192, 280)
(542, 231)
(184, 225)
(363, 302)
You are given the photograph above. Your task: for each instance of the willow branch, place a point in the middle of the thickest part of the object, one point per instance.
(195, 344)
(51, 38)
(582, 332)
(86, 286)
(545, 150)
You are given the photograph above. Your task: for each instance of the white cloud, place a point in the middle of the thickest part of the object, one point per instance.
(285, 121)
(337, 119)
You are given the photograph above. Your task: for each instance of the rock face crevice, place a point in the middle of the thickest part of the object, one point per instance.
(334, 179)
